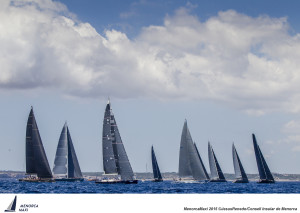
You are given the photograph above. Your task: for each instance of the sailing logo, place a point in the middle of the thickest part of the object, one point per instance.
(12, 205)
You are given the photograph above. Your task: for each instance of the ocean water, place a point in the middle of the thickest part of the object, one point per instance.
(10, 185)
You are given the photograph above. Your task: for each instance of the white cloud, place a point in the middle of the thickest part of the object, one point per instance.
(296, 149)
(292, 127)
(249, 63)
(291, 130)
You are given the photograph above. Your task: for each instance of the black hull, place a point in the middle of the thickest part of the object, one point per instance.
(156, 180)
(218, 181)
(266, 181)
(117, 181)
(36, 180)
(130, 181)
(240, 181)
(69, 179)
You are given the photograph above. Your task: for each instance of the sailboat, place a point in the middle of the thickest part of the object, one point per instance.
(66, 166)
(265, 174)
(116, 165)
(240, 174)
(216, 174)
(156, 171)
(190, 166)
(37, 166)
(12, 205)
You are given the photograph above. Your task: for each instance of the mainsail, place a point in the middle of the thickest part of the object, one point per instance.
(109, 161)
(216, 173)
(115, 159)
(36, 159)
(66, 162)
(240, 174)
(156, 171)
(189, 161)
(12, 205)
(263, 169)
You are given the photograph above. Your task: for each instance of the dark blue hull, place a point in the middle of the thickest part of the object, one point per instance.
(240, 181)
(266, 181)
(218, 180)
(157, 180)
(69, 179)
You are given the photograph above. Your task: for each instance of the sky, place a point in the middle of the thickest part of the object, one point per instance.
(231, 68)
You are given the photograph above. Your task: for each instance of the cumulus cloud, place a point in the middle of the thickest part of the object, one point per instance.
(291, 130)
(248, 62)
(291, 127)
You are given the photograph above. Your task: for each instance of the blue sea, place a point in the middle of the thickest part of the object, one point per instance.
(10, 185)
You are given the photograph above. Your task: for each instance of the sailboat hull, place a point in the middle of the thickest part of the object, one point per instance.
(130, 181)
(157, 180)
(117, 181)
(266, 181)
(69, 179)
(240, 181)
(217, 180)
(37, 180)
(110, 181)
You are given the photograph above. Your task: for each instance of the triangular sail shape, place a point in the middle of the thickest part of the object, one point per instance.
(12, 205)
(216, 173)
(115, 159)
(263, 169)
(74, 171)
(184, 161)
(189, 161)
(156, 171)
(123, 165)
(36, 159)
(202, 164)
(240, 174)
(66, 162)
(109, 161)
(61, 160)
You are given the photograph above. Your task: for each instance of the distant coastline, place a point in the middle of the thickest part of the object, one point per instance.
(166, 175)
